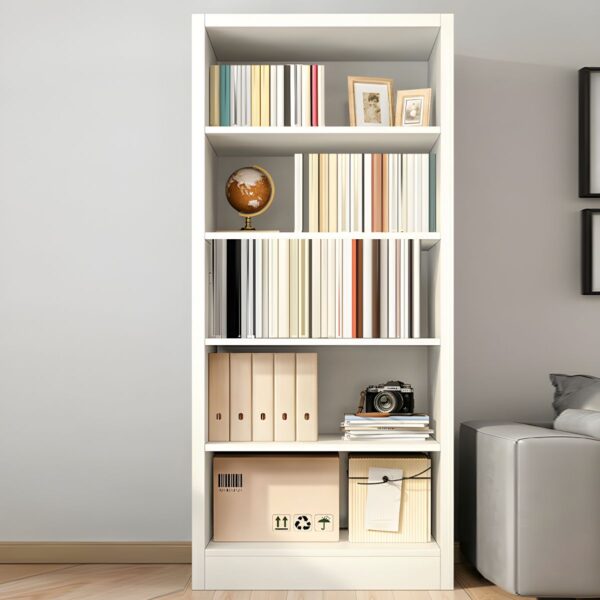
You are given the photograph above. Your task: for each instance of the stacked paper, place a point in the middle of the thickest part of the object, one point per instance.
(396, 427)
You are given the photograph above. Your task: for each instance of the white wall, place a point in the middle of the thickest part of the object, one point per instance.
(94, 244)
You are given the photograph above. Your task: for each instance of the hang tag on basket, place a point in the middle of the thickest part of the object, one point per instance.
(382, 509)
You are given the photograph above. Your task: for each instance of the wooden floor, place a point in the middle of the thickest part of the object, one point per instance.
(172, 582)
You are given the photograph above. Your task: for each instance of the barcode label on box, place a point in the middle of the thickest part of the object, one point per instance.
(230, 480)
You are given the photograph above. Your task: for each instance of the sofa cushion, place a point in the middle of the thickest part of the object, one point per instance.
(575, 391)
(583, 422)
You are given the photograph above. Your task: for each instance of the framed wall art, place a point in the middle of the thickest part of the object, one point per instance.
(589, 132)
(590, 251)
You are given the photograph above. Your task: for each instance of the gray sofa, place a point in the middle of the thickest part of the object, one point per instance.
(529, 508)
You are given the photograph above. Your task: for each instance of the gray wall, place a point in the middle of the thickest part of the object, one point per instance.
(94, 244)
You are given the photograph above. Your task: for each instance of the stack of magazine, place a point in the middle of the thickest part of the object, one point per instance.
(396, 427)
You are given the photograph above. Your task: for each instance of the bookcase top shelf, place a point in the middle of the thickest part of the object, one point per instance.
(327, 443)
(277, 141)
(322, 37)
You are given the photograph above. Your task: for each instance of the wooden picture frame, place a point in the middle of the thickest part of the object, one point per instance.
(589, 141)
(421, 100)
(590, 251)
(376, 112)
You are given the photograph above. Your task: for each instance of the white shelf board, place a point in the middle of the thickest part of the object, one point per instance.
(341, 548)
(322, 342)
(428, 240)
(322, 37)
(277, 141)
(331, 442)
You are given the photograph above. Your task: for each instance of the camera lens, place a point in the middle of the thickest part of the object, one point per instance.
(385, 402)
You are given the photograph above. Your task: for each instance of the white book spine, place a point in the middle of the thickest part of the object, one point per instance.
(391, 287)
(367, 291)
(418, 176)
(425, 192)
(305, 273)
(280, 94)
(266, 281)
(248, 94)
(244, 289)
(368, 202)
(340, 192)
(292, 95)
(258, 286)
(299, 95)
(273, 94)
(313, 199)
(350, 207)
(298, 200)
(306, 95)
(251, 291)
(273, 289)
(339, 273)
(416, 288)
(315, 246)
(399, 190)
(321, 93)
(383, 289)
(404, 194)
(406, 289)
(233, 95)
(331, 288)
(360, 186)
(392, 194)
(347, 299)
(284, 289)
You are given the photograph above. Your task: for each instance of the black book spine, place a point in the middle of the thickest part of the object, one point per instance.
(286, 95)
(234, 260)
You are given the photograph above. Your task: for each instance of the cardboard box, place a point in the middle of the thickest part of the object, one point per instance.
(276, 497)
(415, 505)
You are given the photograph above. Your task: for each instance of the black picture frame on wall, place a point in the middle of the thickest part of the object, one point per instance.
(589, 116)
(590, 251)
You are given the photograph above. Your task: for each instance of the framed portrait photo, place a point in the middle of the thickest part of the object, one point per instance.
(370, 101)
(413, 107)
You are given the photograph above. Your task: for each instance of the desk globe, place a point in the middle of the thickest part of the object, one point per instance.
(250, 191)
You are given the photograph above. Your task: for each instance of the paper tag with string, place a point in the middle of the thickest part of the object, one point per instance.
(382, 509)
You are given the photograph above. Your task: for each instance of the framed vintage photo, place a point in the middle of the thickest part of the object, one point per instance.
(590, 251)
(370, 101)
(413, 107)
(589, 132)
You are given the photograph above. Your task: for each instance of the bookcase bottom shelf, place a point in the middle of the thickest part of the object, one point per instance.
(327, 443)
(322, 566)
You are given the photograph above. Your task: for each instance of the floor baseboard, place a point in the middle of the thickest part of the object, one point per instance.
(95, 552)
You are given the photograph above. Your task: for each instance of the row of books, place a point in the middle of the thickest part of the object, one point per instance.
(315, 288)
(262, 397)
(370, 192)
(267, 95)
(396, 427)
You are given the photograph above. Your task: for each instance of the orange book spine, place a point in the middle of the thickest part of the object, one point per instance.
(385, 226)
(359, 288)
(354, 287)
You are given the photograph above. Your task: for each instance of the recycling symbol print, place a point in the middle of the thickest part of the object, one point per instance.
(302, 523)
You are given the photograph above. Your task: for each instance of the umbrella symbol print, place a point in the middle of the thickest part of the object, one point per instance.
(324, 520)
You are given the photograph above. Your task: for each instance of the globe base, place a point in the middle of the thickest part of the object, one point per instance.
(247, 224)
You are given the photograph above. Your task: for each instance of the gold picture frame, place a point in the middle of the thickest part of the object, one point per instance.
(375, 109)
(413, 108)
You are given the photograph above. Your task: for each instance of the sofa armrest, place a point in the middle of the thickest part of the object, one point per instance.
(528, 507)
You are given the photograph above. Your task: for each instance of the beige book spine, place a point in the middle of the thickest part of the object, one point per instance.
(294, 289)
(307, 418)
(284, 368)
(265, 107)
(323, 193)
(332, 194)
(214, 96)
(262, 397)
(284, 289)
(240, 404)
(313, 192)
(316, 288)
(218, 397)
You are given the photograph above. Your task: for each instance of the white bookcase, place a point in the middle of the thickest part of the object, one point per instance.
(421, 45)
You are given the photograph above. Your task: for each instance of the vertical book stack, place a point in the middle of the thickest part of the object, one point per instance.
(262, 397)
(315, 288)
(267, 95)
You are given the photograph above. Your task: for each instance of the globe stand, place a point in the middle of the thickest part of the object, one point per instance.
(247, 224)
